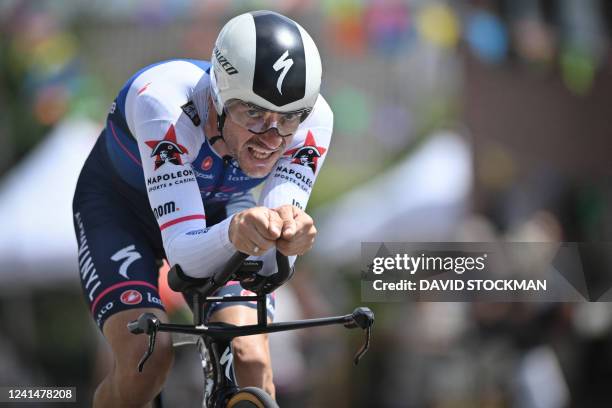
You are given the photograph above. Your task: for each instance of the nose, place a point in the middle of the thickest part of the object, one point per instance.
(271, 139)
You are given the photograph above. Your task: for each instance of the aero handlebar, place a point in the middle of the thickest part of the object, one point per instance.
(179, 282)
(237, 267)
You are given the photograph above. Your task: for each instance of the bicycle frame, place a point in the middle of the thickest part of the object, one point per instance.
(215, 338)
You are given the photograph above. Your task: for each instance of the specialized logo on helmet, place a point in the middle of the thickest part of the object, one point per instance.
(280, 67)
(308, 154)
(167, 150)
(285, 64)
(227, 66)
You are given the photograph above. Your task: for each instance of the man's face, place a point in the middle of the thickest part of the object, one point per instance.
(256, 153)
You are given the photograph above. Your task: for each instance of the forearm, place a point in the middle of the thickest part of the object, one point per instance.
(200, 252)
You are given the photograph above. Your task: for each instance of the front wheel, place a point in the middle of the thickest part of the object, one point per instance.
(252, 397)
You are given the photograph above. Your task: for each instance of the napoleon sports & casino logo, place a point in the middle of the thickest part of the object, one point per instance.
(167, 150)
(308, 154)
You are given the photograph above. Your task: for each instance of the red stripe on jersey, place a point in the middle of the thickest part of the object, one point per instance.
(131, 156)
(144, 88)
(181, 219)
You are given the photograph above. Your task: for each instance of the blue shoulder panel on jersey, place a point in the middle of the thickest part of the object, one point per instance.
(121, 146)
(204, 65)
(123, 151)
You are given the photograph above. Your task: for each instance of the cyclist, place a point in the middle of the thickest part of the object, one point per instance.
(171, 176)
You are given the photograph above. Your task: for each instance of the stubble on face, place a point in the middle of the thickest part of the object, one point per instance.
(256, 154)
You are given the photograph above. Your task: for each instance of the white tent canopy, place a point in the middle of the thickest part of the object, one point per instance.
(421, 199)
(37, 242)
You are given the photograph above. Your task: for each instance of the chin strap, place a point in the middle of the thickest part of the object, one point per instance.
(227, 159)
(220, 124)
(215, 139)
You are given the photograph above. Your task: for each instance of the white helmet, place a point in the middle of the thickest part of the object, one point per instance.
(268, 60)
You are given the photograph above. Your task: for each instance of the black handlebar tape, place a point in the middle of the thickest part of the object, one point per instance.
(230, 268)
(282, 263)
(178, 281)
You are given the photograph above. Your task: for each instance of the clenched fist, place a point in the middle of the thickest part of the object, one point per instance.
(298, 231)
(255, 230)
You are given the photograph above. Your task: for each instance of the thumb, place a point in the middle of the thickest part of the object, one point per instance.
(289, 228)
(274, 224)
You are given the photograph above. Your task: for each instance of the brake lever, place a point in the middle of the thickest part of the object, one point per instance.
(363, 318)
(146, 323)
(149, 352)
(364, 348)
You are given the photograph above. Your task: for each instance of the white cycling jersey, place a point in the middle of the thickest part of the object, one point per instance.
(156, 140)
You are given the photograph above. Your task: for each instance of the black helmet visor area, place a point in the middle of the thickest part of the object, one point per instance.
(280, 62)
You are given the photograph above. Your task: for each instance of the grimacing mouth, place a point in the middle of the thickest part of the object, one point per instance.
(260, 151)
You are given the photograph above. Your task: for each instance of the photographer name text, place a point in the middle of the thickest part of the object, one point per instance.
(412, 265)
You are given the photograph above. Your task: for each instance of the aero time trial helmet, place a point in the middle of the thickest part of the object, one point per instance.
(268, 61)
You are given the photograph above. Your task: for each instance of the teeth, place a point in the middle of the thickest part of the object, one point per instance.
(259, 154)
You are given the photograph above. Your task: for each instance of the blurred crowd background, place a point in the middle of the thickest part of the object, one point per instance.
(472, 120)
